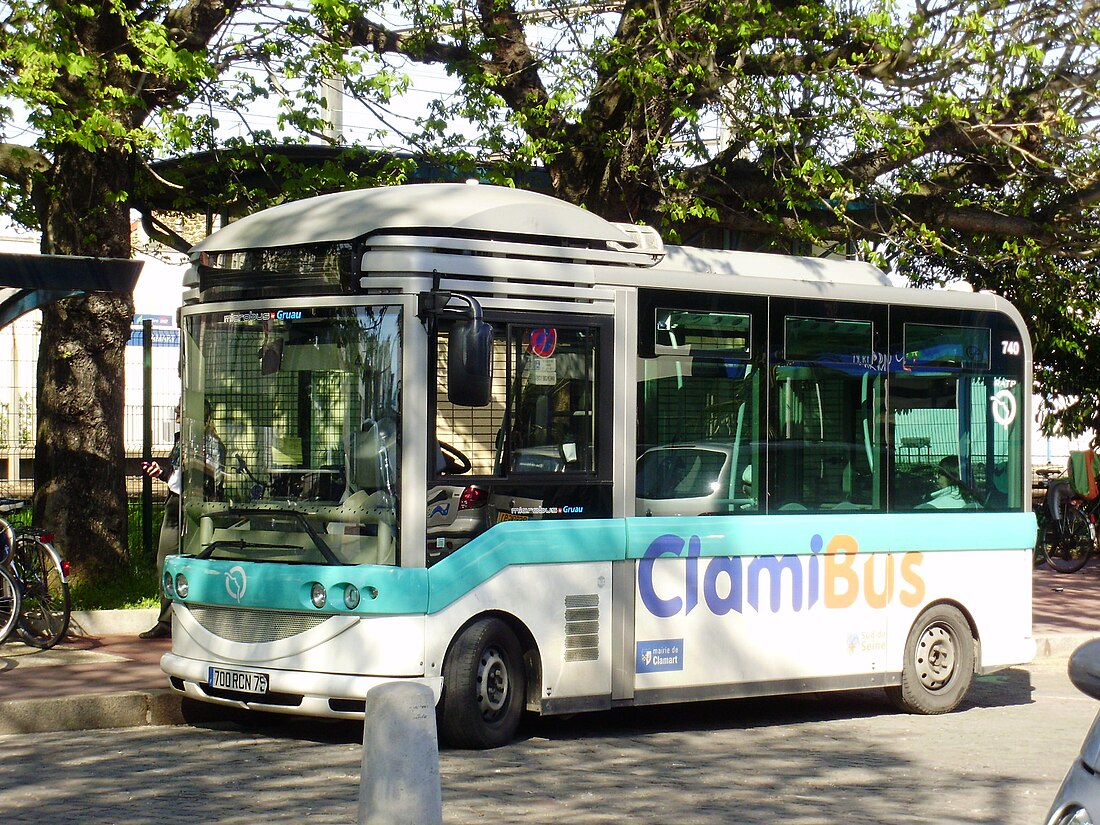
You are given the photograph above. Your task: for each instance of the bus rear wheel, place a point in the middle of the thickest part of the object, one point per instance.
(484, 687)
(938, 668)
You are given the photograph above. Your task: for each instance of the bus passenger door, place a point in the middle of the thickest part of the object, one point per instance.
(540, 450)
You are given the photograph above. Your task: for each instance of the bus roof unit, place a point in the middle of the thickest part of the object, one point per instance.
(448, 209)
(770, 265)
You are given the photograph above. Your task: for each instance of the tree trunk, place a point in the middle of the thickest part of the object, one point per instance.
(79, 467)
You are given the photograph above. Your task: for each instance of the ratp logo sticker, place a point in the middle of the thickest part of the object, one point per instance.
(659, 655)
(236, 582)
(1003, 407)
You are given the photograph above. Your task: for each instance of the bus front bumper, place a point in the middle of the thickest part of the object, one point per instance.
(331, 695)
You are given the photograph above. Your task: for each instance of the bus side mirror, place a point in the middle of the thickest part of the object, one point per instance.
(470, 363)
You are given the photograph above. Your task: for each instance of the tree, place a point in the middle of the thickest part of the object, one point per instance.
(87, 77)
(951, 139)
(97, 90)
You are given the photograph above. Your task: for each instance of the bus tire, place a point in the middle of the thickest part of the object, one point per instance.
(484, 687)
(938, 668)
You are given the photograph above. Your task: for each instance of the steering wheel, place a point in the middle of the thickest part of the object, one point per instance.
(457, 462)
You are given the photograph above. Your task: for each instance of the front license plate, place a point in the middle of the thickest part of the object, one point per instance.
(238, 680)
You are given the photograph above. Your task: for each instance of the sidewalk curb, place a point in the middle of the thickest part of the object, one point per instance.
(111, 622)
(94, 712)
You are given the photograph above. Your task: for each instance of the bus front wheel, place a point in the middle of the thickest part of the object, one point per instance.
(939, 663)
(484, 687)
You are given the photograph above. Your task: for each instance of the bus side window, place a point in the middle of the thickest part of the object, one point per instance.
(699, 413)
(827, 402)
(955, 398)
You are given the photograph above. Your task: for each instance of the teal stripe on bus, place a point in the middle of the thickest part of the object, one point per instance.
(523, 542)
(287, 586)
(418, 590)
(550, 542)
(793, 535)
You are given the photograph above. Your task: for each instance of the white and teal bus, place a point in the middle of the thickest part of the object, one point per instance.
(485, 441)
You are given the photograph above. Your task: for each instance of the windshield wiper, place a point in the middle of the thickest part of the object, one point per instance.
(268, 513)
(241, 545)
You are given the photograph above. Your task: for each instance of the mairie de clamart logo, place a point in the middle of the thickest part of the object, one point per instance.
(659, 655)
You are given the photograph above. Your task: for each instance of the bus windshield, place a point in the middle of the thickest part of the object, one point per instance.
(289, 442)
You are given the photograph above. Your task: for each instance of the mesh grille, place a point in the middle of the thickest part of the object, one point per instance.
(582, 627)
(254, 626)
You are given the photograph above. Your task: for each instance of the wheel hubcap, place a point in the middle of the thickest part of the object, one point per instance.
(492, 683)
(935, 657)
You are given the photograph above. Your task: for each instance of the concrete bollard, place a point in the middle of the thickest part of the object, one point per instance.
(399, 782)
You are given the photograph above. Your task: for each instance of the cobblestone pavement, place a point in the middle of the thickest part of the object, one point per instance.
(845, 758)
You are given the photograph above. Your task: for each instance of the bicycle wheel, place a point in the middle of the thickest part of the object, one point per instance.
(1071, 551)
(10, 603)
(47, 605)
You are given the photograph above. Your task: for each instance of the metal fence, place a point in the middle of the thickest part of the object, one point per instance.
(18, 391)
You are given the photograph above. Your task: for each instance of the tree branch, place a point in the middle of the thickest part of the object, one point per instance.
(1073, 203)
(19, 163)
(974, 221)
(382, 40)
(195, 23)
(191, 27)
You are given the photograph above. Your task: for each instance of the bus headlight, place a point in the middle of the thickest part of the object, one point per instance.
(168, 585)
(318, 595)
(351, 597)
(181, 585)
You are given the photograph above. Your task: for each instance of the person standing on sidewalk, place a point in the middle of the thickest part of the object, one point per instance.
(169, 541)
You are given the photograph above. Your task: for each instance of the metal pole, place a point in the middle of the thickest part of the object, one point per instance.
(14, 409)
(147, 436)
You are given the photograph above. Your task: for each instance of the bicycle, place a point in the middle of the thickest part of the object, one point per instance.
(1066, 543)
(41, 578)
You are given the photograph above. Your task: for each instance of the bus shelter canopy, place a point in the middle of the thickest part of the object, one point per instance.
(28, 282)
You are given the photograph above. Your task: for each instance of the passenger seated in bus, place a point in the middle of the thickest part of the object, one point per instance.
(950, 492)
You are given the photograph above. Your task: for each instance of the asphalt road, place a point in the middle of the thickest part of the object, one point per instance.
(846, 758)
